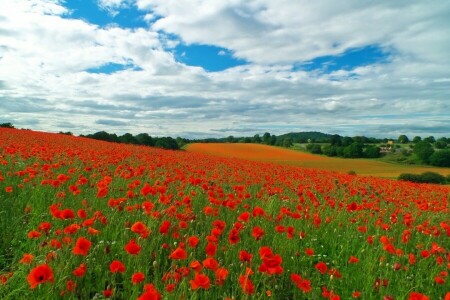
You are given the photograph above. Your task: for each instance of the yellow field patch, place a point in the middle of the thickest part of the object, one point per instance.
(368, 167)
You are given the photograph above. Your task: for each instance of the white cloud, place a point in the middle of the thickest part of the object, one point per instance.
(44, 55)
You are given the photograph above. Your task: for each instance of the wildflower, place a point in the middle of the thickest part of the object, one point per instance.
(321, 267)
(178, 253)
(39, 275)
(137, 277)
(117, 267)
(200, 281)
(27, 259)
(132, 247)
(82, 246)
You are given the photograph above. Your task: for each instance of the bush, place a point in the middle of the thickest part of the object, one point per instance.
(440, 158)
(426, 177)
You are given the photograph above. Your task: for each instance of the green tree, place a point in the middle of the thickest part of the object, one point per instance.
(231, 139)
(287, 142)
(7, 125)
(145, 139)
(403, 139)
(423, 150)
(372, 152)
(440, 158)
(256, 139)
(430, 139)
(335, 140)
(266, 138)
(347, 141)
(127, 138)
(416, 139)
(354, 150)
(314, 148)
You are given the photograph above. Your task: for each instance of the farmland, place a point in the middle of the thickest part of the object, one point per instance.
(86, 219)
(264, 153)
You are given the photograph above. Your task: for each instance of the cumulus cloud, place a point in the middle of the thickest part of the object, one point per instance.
(46, 55)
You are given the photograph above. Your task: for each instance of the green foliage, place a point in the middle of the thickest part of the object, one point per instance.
(440, 158)
(7, 125)
(353, 150)
(416, 139)
(440, 144)
(372, 152)
(426, 177)
(403, 139)
(314, 148)
(423, 150)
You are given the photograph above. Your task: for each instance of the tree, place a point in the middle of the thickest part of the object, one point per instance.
(287, 142)
(347, 141)
(266, 138)
(403, 139)
(416, 139)
(7, 125)
(256, 139)
(335, 140)
(372, 152)
(329, 150)
(314, 148)
(273, 140)
(430, 139)
(441, 143)
(354, 150)
(423, 150)
(230, 139)
(127, 138)
(440, 158)
(145, 139)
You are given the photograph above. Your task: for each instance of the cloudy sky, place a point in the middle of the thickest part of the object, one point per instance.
(197, 68)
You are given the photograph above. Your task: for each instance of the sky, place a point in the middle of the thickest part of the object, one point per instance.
(197, 68)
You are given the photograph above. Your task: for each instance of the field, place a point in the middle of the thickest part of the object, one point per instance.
(264, 153)
(84, 219)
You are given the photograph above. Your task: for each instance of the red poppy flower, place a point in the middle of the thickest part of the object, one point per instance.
(117, 267)
(353, 260)
(82, 246)
(164, 228)
(137, 277)
(40, 274)
(132, 247)
(247, 285)
(196, 266)
(417, 296)
(321, 267)
(221, 275)
(211, 249)
(80, 271)
(178, 253)
(193, 241)
(27, 259)
(258, 232)
(244, 256)
(211, 263)
(200, 281)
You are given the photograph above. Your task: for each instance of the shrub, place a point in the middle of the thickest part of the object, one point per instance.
(426, 177)
(440, 158)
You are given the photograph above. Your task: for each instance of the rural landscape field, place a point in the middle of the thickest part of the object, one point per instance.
(226, 149)
(86, 219)
(264, 153)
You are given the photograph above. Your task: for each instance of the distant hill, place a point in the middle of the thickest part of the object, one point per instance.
(305, 136)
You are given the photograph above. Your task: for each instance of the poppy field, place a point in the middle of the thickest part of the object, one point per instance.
(86, 219)
(278, 155)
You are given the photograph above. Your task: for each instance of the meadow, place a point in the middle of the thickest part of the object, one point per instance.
(264, 153)
(86, 219)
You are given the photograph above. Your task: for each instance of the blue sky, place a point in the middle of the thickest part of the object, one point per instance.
(196, 68)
